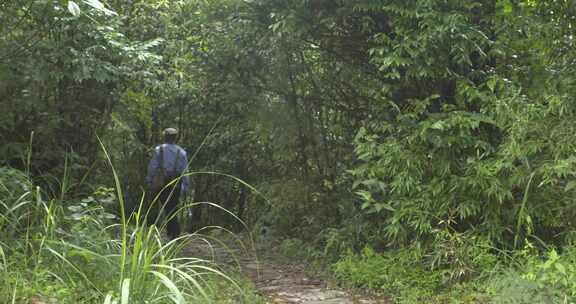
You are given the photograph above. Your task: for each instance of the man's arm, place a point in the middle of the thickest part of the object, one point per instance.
(184, 169)
(152, 167)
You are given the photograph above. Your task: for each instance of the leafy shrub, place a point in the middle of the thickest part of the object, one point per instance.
(22, 206)
(558, 272)
(551, 279)
(495, 155)
(293, 248)
(13, 183)
(461, 256)
(513, 289)
(397, 272)
(295, 211)
(454, 270)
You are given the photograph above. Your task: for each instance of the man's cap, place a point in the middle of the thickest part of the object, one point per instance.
(170, 131)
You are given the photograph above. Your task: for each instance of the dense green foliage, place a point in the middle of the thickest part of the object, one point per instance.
(72, 251)
(439, 133)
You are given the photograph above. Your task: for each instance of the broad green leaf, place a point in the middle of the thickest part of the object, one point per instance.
(382, 206)
(507, 7)
(439, 125)
(560, 268)
(570, 186)
(95, 4)
(73, 8)
(99, 6)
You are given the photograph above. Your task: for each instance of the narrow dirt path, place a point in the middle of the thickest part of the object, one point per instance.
(280, 283)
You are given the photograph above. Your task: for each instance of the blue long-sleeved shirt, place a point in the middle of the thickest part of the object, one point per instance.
(170, 151)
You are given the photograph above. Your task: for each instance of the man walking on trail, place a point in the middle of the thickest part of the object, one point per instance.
(168, 163)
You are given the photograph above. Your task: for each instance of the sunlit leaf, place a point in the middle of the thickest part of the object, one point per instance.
(73, 8)
(99, 6)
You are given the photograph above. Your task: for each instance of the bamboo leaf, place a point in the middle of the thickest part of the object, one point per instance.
(73, 8)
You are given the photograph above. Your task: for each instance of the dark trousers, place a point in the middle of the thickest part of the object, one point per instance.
(167, 205)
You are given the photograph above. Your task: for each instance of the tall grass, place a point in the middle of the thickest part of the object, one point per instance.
(63, 248)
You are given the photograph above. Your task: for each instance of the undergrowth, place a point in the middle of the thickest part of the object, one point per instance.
(522, 278)
(458, 269)
(75, 250)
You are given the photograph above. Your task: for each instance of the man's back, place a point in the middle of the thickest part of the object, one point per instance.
(174, 157)
(174, 162)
